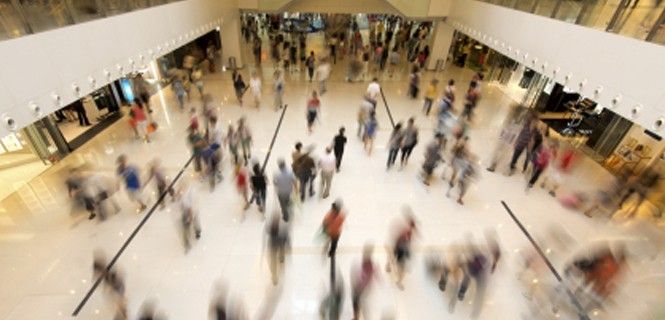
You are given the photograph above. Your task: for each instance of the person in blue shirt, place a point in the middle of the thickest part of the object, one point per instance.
(132, 179)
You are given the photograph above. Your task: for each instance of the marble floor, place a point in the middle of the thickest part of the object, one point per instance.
(46, 251)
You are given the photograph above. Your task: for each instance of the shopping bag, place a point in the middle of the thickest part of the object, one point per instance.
(152, 127)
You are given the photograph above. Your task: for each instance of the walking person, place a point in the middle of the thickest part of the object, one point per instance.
(409, 142)
(131, 176)
(239, 86)
(279, 89)
(365, 109)
(371, 126)
(472, 97)
(245, 139)
(394, 61)
(414, 82)
(362, 278)
(323, 73)
(365, 58)
(373, 92)
(432, 157)
(506, 139)
(338, 147)
(394, 144)
(141, 90)
(232, 140)
(180, 92)
(81, 114)
(156, 171)
(189, 216)
(332, 227)
(327, 165)
(384, 57)
(242, 184)
(536, 143)
(198, 144)
(465, 172)
(139, 121)
(522, 142)
(430, 96)
(256, 50)
(259, 184)
(285, 183)
(279, 243)
(215, 140)
(476, 269)
(449, 91)
(313, 107)
(541, 161)
(197, 79)
(401, 250)
(255, 88)
(304, 168)
(310, 62)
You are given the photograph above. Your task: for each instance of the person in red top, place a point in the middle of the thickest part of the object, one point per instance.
(362, 278)
(332, 226)
(139, 121)
(545, 155)
(313, 106)
(401, 249)
(242, 183)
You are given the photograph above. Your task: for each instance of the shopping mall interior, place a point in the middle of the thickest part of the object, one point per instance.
(184, 159)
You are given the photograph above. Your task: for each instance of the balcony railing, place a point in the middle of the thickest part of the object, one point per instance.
(23, 17)
(639, 19)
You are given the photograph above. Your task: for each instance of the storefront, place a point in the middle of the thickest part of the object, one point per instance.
(27, 153)
(83, 119)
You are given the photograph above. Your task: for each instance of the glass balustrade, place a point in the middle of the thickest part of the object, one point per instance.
(640, 19)
(22, 17)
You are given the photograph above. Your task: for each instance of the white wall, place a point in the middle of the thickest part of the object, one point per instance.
(623, 66)
(36, 66)
(439, 8)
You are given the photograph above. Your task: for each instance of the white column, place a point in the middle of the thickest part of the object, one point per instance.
(231, 39)
(442, 39)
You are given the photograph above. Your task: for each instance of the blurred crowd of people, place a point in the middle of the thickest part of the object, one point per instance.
(457, 268)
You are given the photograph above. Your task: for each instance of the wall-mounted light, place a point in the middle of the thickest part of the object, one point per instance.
(544, 66)
(77, 90)
(526, 56)
(510, 49)
(555, 71)
(9, 122)
(107, 74)
(92, 82)
(658, 124)
(57, 100)
(635, 111)
(35, 110)
(597, 91)
(582, 84)
(534, 61)
(616, 100)
(568, 77)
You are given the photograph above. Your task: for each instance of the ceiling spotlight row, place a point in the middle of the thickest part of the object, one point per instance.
(533, 63)
(109, 76)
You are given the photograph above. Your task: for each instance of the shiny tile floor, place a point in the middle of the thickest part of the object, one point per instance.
(46, 252)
